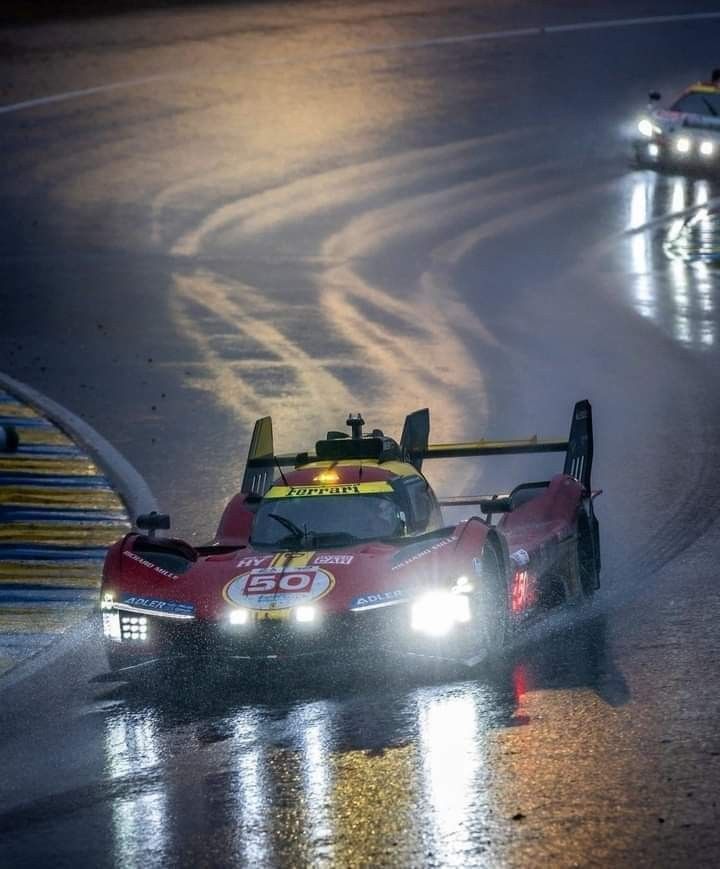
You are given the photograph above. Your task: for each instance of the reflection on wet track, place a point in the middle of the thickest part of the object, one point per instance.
(677, 296)
(332, 771)
(139, 819)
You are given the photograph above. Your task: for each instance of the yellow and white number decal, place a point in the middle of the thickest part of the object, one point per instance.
(279, 588)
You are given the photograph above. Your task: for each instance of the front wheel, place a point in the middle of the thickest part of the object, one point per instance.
(490, 621)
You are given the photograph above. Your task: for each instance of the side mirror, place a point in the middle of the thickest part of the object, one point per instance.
(152, 522)
(498, 504)
(654, 96)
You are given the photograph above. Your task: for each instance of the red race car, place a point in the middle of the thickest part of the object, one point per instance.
(347, 551)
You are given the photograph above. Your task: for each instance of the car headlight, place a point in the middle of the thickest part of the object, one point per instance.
(646, 127)
(305, 614)
(111, 625)
(239, 617)
(682, 145)
(107, 602)
(437, 612)
(707, 148)
(133, 627)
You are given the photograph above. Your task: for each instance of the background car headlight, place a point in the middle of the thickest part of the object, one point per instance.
(653, 149)
(682, 145)
(707, 149)
(645, 127)
(437, 612)
(305, 614)
(239, 617)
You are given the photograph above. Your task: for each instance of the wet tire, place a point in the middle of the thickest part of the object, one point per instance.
(490, 626)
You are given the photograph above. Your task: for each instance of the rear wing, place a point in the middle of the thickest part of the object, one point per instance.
(414, 448)
(578, 447)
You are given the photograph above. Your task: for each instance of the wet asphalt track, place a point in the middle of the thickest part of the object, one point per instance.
(306, 224)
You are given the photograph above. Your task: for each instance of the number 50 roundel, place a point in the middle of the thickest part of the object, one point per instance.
(275, 588)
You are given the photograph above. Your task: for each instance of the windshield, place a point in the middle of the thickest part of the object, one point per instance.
(328, 520)
(699, 104)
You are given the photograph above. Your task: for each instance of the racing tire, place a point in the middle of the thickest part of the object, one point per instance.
(490, 625)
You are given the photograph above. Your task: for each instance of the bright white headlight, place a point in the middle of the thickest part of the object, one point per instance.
(645, 127)
(239, 617)
(111, 625)
(437, 612)
(653, 149)
(707, 149)
(108, 601)
(305, 614)
(682, 145)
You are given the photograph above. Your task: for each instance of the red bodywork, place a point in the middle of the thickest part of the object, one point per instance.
(362, 593)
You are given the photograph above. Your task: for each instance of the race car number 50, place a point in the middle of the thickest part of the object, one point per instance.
(270, 583)
(276, 588)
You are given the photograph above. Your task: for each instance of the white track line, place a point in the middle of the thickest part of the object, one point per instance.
(133, 489)
(517, 33)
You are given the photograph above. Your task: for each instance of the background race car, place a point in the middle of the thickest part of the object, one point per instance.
(687, 134)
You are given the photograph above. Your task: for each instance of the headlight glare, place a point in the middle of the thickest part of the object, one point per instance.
(239, 617)
(305, 614)
(645, 127)
(682, 145)
(707, 148)
(437, 612)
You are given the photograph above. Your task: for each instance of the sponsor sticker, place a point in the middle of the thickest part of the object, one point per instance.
(149, 564)
(410, 554)
(173, 607)
(278, 588)
(254, 560)
(378, 599)
(292, 559)
(341, 489)
(334, 559)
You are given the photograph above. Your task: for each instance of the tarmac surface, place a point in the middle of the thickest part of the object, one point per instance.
(217, 212)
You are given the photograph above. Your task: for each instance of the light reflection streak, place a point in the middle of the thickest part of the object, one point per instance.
(318, 787)
(676, 295)
(639, 252)
(139, 821)
(452, 762)
(251, 793)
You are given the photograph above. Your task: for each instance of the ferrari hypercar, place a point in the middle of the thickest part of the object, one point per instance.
(344, 552)
(687, 134)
